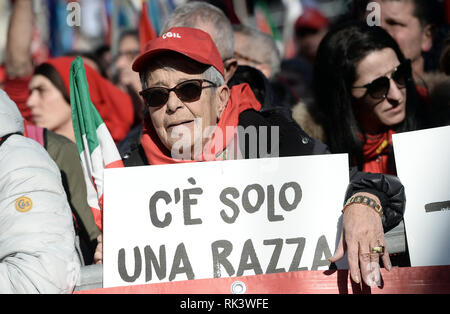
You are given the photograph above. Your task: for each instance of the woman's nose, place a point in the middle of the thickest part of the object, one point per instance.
(32, 99)
(395, 93)
(173, 102)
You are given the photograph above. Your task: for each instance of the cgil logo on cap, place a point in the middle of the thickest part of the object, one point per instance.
(171, 35)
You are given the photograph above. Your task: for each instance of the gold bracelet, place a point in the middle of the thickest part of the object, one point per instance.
(360, 199)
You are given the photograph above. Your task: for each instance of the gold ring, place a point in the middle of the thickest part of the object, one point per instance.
(378, 249)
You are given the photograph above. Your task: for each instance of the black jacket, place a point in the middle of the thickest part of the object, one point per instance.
(293, 141)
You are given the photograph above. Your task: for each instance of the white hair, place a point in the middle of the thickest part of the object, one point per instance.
(195, 13)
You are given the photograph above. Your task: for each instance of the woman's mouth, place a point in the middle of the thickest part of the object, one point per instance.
(175, 124)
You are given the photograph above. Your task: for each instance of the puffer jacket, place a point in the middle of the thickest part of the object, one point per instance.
(37, 238)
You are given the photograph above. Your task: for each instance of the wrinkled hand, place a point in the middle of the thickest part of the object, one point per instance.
(362, 230)
(98, 255)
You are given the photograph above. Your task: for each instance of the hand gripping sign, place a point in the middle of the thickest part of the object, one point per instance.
(221, 219)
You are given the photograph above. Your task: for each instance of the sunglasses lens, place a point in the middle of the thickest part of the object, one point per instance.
(156, 97)
(399, 76)
(378, 88)
(189, 91)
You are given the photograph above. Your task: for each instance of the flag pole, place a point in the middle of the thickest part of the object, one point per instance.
(115, 32)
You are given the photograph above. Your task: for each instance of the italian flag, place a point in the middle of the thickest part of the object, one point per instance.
(94, 142)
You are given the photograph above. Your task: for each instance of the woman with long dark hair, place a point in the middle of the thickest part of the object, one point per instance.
(364, 93)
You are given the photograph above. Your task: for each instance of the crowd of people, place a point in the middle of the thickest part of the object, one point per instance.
(348, 90)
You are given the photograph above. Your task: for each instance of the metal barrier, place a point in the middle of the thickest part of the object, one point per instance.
(400, 280)
(92, 275)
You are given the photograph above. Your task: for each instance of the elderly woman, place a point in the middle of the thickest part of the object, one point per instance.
(365, 93)
(191, 109)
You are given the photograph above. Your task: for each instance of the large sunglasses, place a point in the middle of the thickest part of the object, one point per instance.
(186, 91)
(379, 88)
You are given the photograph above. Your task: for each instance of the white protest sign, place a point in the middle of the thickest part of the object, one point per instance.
(423, 166)
(221, 219)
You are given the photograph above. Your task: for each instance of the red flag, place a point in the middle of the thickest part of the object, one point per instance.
(146, 31)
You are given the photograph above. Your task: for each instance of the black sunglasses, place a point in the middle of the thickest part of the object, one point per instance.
(186, 91)
(379, 88)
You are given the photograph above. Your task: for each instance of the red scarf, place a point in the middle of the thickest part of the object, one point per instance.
(241, 99)
(375, 150)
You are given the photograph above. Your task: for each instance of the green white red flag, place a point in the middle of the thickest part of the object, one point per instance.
(94, 142)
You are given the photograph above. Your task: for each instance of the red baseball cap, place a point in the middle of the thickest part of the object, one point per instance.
(2, 73)
(191, 42)
(311, 18)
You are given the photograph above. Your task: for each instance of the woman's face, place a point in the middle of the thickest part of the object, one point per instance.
(376, 113)
(48, 107)
(183, 124)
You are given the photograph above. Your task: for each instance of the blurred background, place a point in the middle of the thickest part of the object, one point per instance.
(97, 28)
(101, 21)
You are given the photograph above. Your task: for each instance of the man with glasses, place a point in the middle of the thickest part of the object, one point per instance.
(257, 49)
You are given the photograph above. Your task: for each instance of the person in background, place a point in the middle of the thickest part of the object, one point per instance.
(18, 60)
(257, 52)
(104, 59)
(212, 20)
(310, 28)
(37, 239)
(416, 25)
(257, 49)
(297, 73)
(419, 28)
(128, 50)
(49, 99)
(52, 76)
(364, 94)
(128, 81)
(412, 23)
